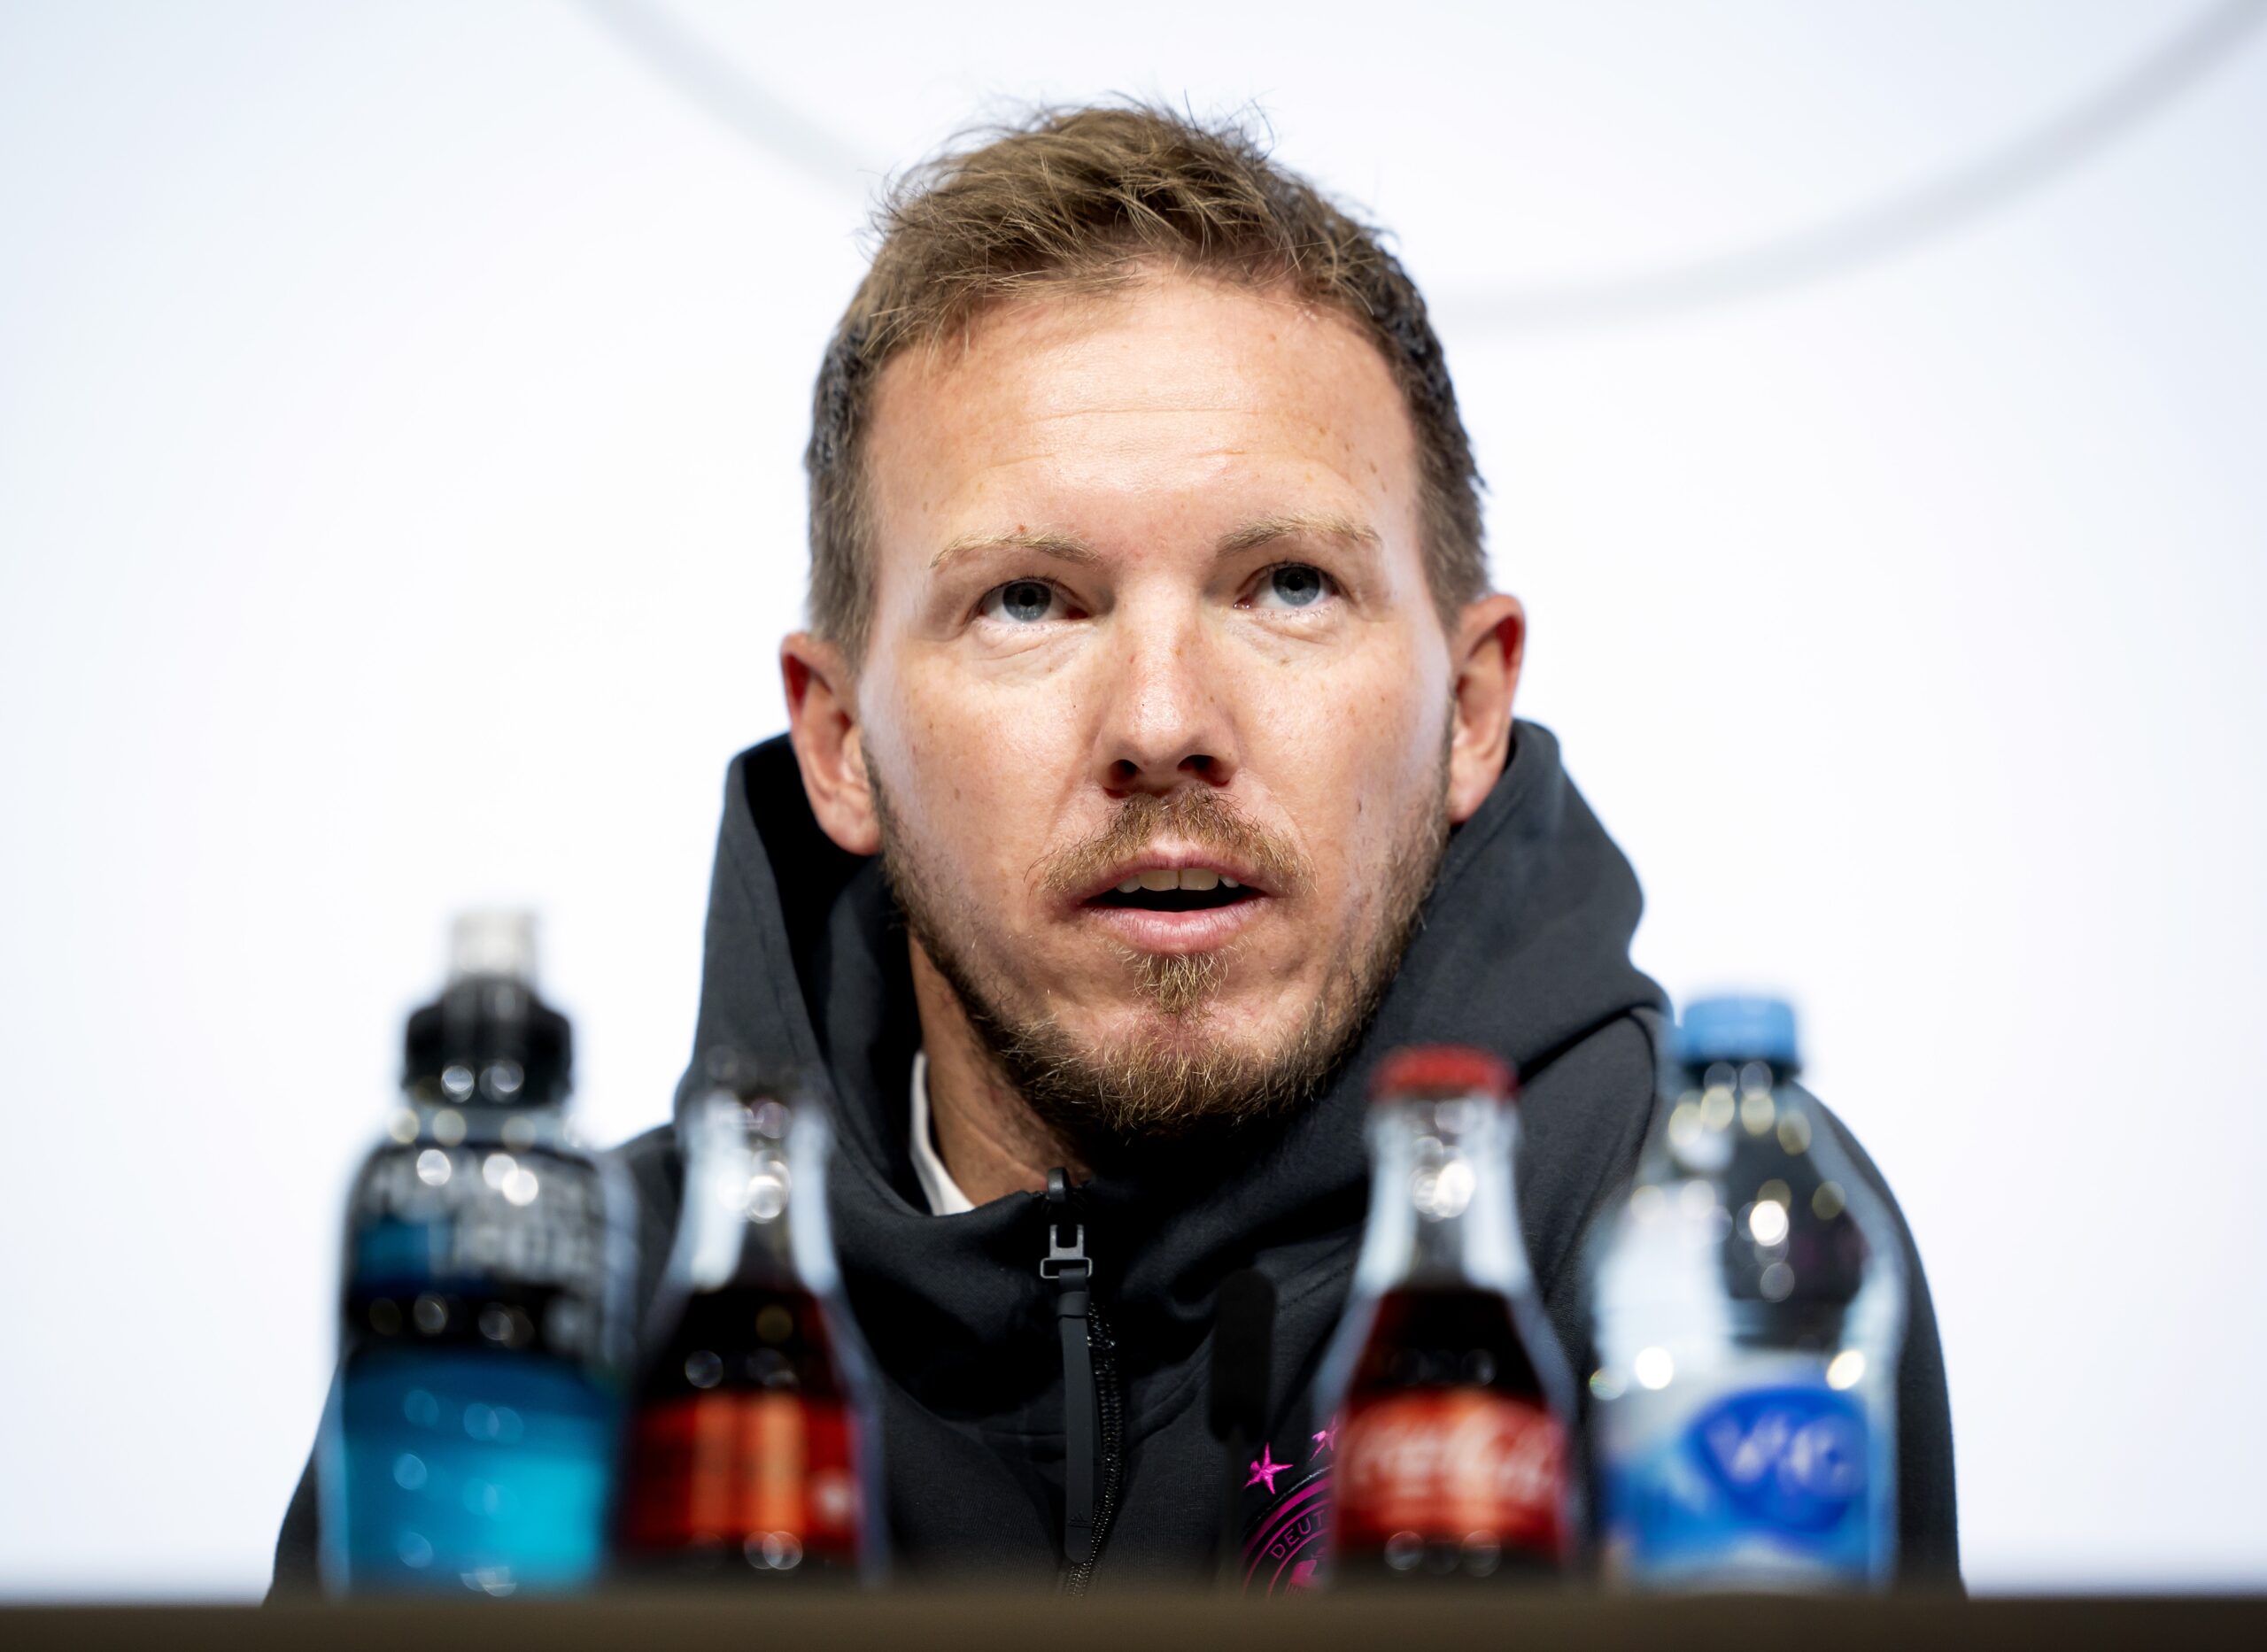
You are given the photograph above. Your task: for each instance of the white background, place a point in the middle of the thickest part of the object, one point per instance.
(401, 410)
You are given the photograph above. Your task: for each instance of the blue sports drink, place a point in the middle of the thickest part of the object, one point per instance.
(470, 1442)
(1748, 1301)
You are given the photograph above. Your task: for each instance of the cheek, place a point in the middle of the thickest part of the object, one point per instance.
(988, 765)
(1353, 751)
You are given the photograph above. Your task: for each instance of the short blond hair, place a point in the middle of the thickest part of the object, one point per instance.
(1089, 198)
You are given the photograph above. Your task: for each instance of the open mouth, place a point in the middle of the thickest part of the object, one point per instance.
(1193, 890)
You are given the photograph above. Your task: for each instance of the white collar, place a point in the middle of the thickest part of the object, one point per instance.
(937, 1184)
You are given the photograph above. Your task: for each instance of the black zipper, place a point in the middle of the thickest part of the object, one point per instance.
(1094, 1421)
(1111, 1409)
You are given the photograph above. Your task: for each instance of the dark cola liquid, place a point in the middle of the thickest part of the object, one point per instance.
(1451, 1459)
(743, 1457)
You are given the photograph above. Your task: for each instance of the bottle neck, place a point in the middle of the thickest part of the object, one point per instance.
(1743, 1196)
(1443, 1213)
(1713, 1111)
(754, 1208)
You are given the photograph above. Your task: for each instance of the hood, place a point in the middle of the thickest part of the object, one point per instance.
(1523, 950)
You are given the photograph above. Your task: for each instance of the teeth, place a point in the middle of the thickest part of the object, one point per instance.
(1196, 877)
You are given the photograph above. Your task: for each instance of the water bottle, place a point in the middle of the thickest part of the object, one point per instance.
(483, 1332)
(1748, 1302)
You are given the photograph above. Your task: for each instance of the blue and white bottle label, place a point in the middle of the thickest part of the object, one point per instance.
(1745, 1483)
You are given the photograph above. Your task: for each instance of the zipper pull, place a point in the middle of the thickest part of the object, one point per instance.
(1068, 1269)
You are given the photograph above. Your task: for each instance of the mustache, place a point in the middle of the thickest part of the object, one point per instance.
(1199, 816)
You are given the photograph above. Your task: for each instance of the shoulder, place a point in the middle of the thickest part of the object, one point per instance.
(1867, 1171)
(1928, 1494)
(1584, 1113)
(652, 1156)
(656, 1172)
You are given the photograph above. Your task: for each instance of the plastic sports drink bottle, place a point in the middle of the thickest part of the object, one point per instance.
(1749, 1301)
(752, 1454)
(482, 1338)
(1451, 1423)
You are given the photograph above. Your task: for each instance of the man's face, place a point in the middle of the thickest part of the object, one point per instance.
(1151, 610)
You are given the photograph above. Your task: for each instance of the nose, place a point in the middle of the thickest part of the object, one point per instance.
(1165, 720)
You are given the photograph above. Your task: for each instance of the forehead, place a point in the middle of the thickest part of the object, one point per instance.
(1173, 395)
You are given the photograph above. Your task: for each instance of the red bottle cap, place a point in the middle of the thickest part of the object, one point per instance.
(1427, 1071)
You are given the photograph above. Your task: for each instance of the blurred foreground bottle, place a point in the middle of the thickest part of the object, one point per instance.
(1748, 1296)
(1452, 1395)
(483, 1341)
(753, 1452)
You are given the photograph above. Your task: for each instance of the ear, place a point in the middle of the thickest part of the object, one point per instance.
(1490, 641)
(822, 724)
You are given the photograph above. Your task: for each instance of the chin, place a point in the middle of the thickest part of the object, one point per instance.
(1208, 1025)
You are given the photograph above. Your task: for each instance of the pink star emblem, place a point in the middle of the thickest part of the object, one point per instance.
(1265, 1468)
(1325, 1440)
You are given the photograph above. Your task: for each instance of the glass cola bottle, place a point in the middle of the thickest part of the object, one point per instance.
(484, 1340)
(752, 1454)
(1452, 1397)
(1748, 1299)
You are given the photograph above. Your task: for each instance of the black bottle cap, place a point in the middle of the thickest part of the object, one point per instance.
(488, 1040)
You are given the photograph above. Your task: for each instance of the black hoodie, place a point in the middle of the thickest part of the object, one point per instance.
(1524, 951)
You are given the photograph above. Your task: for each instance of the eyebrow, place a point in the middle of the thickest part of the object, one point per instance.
(1329, 528)
(1062, 547)
(1266, 530)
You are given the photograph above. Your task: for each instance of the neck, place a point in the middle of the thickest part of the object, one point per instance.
(991, 1142)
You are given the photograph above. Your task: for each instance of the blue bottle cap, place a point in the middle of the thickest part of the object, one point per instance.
(1738, 1030)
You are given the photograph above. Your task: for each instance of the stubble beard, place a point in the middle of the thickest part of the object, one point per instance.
(1103, 1096)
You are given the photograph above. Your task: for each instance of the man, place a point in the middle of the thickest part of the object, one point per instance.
(1152, 772)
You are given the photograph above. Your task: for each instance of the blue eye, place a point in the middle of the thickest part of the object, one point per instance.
(1294, 585)
(1022, 601)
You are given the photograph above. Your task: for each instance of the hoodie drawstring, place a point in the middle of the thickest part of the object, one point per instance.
(1066, 1265)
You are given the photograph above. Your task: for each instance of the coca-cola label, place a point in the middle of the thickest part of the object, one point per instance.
(1452, 1463)
(738, 1467)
